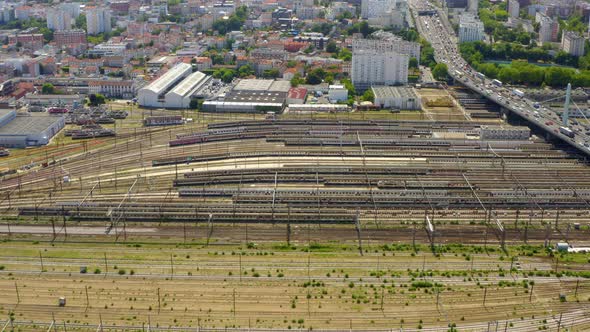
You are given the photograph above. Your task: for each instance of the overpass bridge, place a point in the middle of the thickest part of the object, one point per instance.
(436, 29)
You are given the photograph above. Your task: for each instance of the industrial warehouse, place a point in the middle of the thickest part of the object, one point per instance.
(174, 89)
(252, 96)
(21, 131)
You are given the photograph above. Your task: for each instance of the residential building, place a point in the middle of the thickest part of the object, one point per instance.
(470, 28)
(371, 67)
(6, 13)
(98, 20)
(456, 3)
(23, 12)
(386, 42)
(514, 8)
(572, 43)
(70, 38)
(30, 41)
(58, 19)
(108, 49)
(112, 88)
(548, 28)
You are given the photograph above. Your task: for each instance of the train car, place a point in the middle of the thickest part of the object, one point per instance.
(163, 121)
(57, 110)
(188, 140)
(567, 132)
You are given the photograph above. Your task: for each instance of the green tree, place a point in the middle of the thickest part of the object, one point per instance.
(368, 96)
(331, 47)
(296, 80)
(345, 54)
(413, 63)
(195, 104)
(48, 89)
(508, 75)
(271, 73)
(440, 71)
(96, 99)
(313, 78)
(245, 71)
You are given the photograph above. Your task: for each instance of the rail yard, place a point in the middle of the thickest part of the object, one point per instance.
(352, 221)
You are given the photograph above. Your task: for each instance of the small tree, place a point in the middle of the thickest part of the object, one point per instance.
(368, 96)
(48, 89)
(332, 47)
(440, 71)
(96, 99)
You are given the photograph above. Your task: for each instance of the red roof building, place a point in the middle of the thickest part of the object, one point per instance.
(296, 95)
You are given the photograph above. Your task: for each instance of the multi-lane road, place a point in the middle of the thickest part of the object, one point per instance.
(435, 29)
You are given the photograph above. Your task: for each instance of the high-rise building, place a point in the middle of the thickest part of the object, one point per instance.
(387, 42)
(548, 28)
(514, 8)
(470, 28)
(473, 6)
(456, 3)
(58, 19)
(374, 8)
(372, 67)
(98, 20)
(572, 43)
(73, 8)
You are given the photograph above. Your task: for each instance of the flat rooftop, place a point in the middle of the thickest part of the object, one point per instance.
(256, 96)
(394, 92)
(262, 85)
(26, 125)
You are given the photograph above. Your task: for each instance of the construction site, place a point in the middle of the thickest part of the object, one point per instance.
(450, 218)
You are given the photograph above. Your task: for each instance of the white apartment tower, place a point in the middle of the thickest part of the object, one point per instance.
(514, 8)
(371, 67)
(59, 20)
(572, 43)
(98, 20)
(470, 29)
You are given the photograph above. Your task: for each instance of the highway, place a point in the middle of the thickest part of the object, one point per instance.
(435, 29)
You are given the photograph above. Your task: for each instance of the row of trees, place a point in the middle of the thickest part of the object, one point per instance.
(522, 72)
(476, 52)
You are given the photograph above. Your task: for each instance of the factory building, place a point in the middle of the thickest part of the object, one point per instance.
(337, 93)
(153, 95)
(180, 96)
(24, 131)
(398, 97)
(252, 96)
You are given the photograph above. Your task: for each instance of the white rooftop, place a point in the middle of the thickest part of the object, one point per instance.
(188, 84)
(172, 75)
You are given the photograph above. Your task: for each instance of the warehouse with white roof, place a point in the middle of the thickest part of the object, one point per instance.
(153, 95)
(180, 96)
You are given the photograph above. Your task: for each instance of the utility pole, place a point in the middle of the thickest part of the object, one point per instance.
(41, 260)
